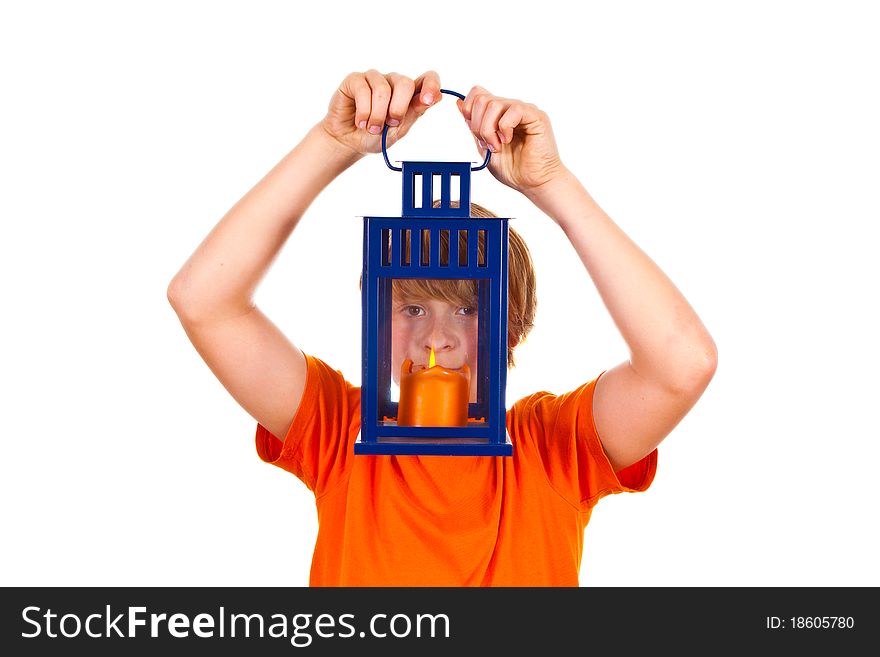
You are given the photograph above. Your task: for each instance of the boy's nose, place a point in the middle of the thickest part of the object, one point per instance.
(440, 346)
(439, 342)
(440, 338)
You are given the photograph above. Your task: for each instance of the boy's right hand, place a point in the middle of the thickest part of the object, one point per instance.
(365, 102)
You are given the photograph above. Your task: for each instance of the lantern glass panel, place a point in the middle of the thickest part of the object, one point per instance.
(446, 315)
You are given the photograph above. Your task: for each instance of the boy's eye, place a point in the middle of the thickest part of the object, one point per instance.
(413, 311)
(467, 310)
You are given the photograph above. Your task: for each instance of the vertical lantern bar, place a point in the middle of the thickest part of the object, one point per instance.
(434, 243)
(473, 245)
(369, 335)
(415, 247)
(427, 187)
(498, 263)
(453, 248)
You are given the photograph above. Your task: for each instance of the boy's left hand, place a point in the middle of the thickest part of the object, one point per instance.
(525, 155)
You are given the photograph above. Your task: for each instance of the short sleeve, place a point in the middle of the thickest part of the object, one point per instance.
(317, 447)
(559, 430)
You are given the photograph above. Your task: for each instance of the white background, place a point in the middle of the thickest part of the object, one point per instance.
(736, 143)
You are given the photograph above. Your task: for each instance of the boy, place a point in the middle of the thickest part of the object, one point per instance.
(446, 521)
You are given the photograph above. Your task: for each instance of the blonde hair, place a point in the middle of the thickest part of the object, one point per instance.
(521, 289)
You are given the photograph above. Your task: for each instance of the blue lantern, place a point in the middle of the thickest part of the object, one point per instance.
(429, 242)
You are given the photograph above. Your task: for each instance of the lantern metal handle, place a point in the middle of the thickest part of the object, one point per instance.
(385, 134)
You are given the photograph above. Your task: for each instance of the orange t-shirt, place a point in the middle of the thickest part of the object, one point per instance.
(450, 520)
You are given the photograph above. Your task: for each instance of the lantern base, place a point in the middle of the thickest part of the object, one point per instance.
(434, 447)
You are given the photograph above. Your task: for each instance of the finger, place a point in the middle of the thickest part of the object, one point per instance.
(355, 87)
(487, 130)
(381, 95)
(508, 122)
(427, 88)
(403, 90)
(468, 103)
(478, 110)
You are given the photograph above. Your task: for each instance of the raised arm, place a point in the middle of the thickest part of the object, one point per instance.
(213, 293)
(672, 356)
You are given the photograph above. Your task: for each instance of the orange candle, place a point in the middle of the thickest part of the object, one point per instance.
(433, 397)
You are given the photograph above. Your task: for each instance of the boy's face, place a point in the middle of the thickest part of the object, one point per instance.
(417, 323)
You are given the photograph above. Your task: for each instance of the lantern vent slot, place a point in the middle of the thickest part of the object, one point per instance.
(405, 248)
(386, 247)
(425, 260)
(417, 191)
(455, 188)
(437, 185)
(444, 247)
